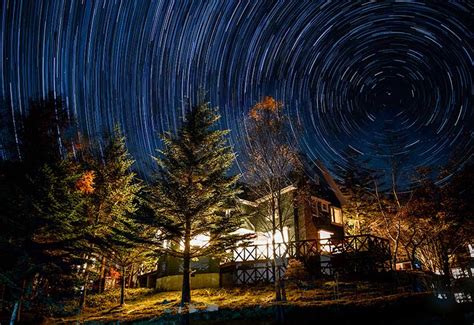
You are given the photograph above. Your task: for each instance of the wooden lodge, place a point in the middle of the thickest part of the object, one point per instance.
(311, 229)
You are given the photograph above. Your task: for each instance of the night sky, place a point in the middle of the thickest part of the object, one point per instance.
(351, 75)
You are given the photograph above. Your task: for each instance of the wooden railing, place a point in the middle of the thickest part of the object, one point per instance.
(305, 249)
(253, 263)
(257, 274)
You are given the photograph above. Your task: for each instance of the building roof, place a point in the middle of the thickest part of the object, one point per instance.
(316, 175)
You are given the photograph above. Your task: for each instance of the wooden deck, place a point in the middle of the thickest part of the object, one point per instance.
(351, 254)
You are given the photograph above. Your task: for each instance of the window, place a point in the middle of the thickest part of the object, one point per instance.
(318, 206)
(336, 215)
(459, 273)
(462, 297)
(442, 296)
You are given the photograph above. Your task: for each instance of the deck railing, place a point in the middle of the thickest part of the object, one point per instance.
(305, 249)
(362, 253)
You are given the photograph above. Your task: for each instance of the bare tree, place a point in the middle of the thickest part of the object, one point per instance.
(271, 158)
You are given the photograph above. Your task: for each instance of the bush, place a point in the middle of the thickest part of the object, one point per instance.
(296, 271)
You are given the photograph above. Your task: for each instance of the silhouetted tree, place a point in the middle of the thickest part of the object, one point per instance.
(42, 224)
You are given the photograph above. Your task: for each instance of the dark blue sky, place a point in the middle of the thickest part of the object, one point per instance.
(347, 72)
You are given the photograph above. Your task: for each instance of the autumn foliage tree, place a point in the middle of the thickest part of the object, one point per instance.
(357, 182)
(85, 184)
(271, 155)
(444, 223)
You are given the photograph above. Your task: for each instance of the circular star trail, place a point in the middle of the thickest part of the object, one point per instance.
(375, 78)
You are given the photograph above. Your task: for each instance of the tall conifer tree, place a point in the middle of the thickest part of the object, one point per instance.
(193, 191)
(113, 203)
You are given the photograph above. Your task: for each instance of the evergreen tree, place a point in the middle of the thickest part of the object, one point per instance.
(123, 247)
(41, 221)
(112, 203)
(193, 192)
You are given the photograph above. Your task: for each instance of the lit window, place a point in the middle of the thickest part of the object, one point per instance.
(336, 215)
(459, 273)
(462, 297)
(325, 242)
(442, 296)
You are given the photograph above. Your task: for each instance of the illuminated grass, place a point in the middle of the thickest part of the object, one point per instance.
(147, 304)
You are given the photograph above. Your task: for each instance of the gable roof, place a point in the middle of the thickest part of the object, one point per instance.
(316, 175)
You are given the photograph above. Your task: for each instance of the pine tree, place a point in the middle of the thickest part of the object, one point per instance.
(41, 221)
(123, 247)
(113, 203)
(193, 191)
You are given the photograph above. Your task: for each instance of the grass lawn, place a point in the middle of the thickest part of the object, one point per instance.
(142, 304)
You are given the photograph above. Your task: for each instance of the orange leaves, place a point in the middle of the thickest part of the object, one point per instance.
(114, 274)
(267, 104)
(85, 184)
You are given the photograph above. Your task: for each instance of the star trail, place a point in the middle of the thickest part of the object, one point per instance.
(351, 75)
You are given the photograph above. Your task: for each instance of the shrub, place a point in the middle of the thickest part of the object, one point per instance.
(296, 271)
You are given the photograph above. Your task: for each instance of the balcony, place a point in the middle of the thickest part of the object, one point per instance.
(304, 249)
(361, 253)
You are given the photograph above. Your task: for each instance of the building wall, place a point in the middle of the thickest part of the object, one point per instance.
(311, 232)
(310, 226)
(198, 281)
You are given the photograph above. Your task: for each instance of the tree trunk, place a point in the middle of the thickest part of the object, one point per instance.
(130, 277)
(82, 302)
(276, 274)
(15, 309)
(395, 253)
(84, 292)
(276, 277)
(186, 288)
(282, 261)
(102, 276)
(395, 250)
(447, 275)
(122, 288)
(20, 301)
(283, 289)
